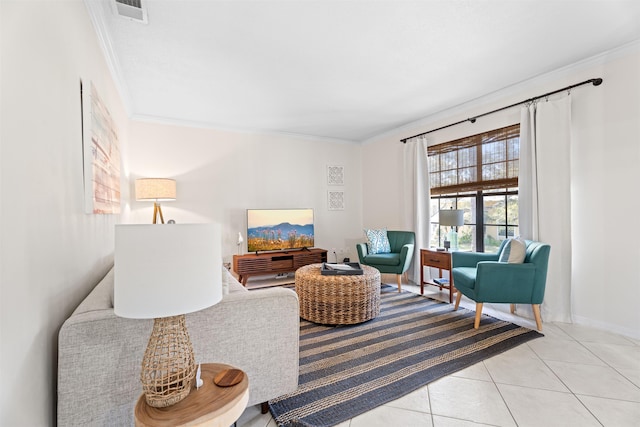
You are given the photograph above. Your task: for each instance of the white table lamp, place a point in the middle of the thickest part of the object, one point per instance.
(163, 273)
(451, 218)
(239, 243)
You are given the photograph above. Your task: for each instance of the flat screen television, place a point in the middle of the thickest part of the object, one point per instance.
(279, 229)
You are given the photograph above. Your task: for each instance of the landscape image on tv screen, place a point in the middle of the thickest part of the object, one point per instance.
(279, 229)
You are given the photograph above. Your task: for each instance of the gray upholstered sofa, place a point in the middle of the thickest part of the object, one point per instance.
(99, 354)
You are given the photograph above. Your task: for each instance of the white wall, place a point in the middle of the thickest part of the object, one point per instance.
(220, 174)
(52, 253)
(605, 177)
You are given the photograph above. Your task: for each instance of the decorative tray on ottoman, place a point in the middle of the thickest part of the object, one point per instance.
(347, 268)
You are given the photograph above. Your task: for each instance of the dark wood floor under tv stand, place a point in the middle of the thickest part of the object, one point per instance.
(259, 264)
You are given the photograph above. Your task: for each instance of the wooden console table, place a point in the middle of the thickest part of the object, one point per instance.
(210, 405)
(440, 260)
(275, 262)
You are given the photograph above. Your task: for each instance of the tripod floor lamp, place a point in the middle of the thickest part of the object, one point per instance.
(156, 190)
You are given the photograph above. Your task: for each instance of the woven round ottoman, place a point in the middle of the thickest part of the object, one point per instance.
(340, 299)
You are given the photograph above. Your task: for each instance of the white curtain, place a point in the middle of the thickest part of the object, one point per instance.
(417, 197)
(544, 195)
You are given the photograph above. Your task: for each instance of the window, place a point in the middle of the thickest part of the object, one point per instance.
(480, 175)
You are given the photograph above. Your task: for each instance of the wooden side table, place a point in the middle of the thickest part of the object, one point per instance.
(210, 405)
(440, 260)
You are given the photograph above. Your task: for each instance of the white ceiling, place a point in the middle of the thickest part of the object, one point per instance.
(342, 69)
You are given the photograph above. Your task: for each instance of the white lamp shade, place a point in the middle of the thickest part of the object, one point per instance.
(156, 189)
(168, 270)
(451, 217)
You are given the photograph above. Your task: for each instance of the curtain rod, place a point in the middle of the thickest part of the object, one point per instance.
(596, 82)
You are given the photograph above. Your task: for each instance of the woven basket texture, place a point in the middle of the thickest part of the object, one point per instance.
(168, 365)
(340, 299)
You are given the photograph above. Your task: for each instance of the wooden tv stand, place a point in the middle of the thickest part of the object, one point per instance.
(275, 262)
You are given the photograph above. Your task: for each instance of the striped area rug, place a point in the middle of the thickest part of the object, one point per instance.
(348, 370)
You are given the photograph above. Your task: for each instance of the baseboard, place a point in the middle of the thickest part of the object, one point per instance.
(605, 326)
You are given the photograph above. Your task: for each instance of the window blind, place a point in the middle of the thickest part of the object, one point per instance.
(485, 161)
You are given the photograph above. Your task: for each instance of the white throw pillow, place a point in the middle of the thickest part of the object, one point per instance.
(514, 251)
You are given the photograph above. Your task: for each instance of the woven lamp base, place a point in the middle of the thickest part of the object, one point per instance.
(168, 365)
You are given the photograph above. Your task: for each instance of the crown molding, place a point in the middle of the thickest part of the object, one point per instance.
(250, 131)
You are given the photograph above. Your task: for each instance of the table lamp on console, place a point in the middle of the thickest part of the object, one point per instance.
(163, 273)
(156, 190)
(451, 218)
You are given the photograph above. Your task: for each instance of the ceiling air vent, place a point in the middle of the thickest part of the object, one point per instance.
(131, 9)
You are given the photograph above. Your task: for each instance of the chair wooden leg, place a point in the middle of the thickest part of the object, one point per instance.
(513, 308)
(458, 298)
(399, 282)
(536, 314)
(476, 324)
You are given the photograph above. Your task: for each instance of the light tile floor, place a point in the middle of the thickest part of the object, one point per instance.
(573, 376)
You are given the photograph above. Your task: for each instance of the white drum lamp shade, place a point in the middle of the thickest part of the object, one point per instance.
(163, 273)
(451, 217)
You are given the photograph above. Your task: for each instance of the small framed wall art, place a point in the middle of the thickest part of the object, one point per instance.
(335, 200)
(335, 175)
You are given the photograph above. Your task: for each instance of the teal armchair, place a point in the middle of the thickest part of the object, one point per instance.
(480, 277)
(397, 261)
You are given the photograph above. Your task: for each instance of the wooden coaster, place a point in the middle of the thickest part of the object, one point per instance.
(228, 378)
